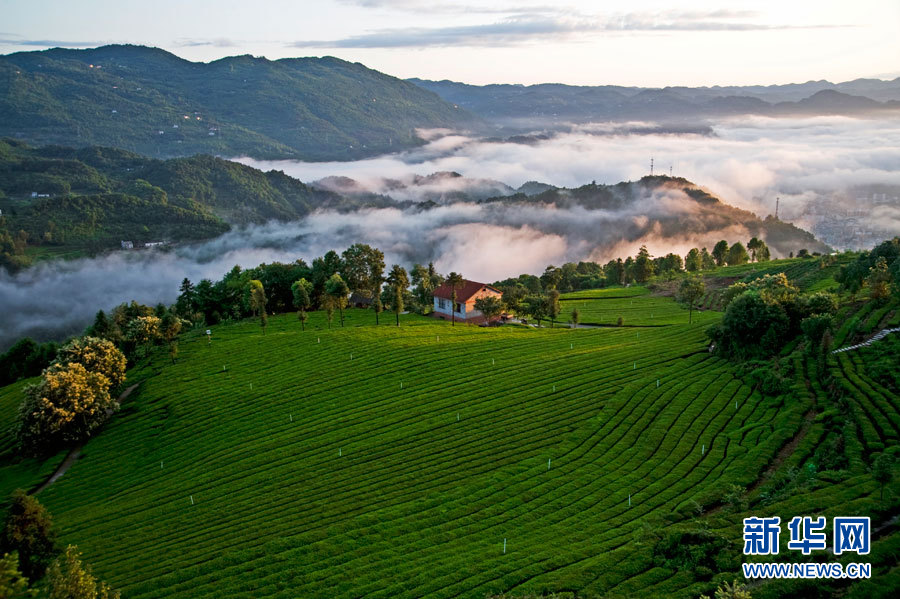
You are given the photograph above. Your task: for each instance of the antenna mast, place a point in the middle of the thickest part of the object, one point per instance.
(777, 201)
(651, 166)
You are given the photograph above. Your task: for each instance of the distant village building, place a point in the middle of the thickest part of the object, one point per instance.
(153, 244)
(127, 245)
(35, 194)
(464, 310)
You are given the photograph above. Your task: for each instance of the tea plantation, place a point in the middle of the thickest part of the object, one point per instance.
(431, 460)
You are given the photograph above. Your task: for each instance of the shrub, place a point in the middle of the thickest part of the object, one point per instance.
(29, 531)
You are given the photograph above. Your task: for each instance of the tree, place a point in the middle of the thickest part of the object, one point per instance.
(378, 306)
(512, 297)
(337, 291)
(454, 281)
(96, 355)
(142, 332)
(689, 292)
(398, 280)
(707, 262)
(67, 405)
(397, 301)
(879, 280)
(536, 307)
(643, 266)
(170, 326)
(362, 267)
(693, 262)
(12, 584)
(102, 327)
(258, 302)
(553, 308)
(737, 255)
(615, 272)
(883, 470)
(301, 290)
(720, 252)
(753, 246)
(814, 327)
(187, 298)
(576, 318)
(29, 532)
(69, 579)
(490, 306)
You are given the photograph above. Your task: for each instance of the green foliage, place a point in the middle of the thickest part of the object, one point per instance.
(12, 584)
(553, 307)
(701, 552)
(491, 306)
(68, 578)
(690, 291)
(337, 292)
(737, 254)
(149, 101)
(25, 359)
(883, 470)
(720, 252)
(731, 590)
(28, 530)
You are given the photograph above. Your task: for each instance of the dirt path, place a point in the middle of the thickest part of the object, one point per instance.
(75, 452)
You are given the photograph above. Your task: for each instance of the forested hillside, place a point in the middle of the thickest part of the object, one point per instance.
(93, 198)
(150, 101)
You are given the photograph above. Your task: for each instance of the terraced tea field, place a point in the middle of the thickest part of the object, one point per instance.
(635, 305)
(438, 461)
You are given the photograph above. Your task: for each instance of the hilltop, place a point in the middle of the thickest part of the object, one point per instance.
(150, 101)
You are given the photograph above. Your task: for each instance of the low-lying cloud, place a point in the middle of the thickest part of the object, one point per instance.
(748, 162)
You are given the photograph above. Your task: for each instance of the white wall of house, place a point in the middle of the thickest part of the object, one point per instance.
(442, 306)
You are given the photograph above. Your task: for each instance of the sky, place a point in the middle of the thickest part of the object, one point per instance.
(646, 43)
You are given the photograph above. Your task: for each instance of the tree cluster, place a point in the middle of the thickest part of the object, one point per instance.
(877, 270)
(75, 396)
(763, 315)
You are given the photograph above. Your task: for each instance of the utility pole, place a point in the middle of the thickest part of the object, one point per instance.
(651, 166)
(777, 201)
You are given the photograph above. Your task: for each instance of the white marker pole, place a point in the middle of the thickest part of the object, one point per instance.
(160, 466)
(192, 500)
(292, 417)
(251, 386)
(554, 388)
(657, 383)
(548, 463)
(504, 545)
(629, 500)
(492, 361)
(340, 452)
(703, 449)
(634, 367)
(457, 416)
(401, 384)
(318, 340)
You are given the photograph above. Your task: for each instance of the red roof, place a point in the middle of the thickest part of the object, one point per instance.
(463, 293)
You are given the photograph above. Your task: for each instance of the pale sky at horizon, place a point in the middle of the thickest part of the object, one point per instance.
(648, 43)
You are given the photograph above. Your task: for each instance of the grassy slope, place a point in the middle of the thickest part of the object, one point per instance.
(418, 503)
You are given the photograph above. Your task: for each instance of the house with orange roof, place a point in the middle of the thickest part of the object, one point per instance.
(464, 310)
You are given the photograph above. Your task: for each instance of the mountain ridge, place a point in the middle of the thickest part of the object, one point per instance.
(150, 101)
